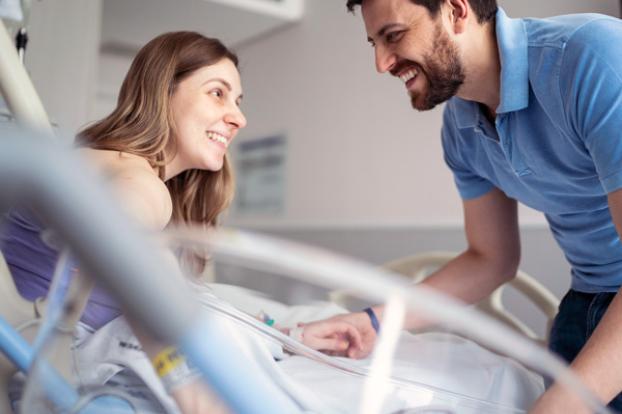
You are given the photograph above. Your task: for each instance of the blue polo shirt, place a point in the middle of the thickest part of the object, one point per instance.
(556, 143)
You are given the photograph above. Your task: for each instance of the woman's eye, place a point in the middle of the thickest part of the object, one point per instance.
(217, 93)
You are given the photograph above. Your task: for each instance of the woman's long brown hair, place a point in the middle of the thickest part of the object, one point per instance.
(141, 124)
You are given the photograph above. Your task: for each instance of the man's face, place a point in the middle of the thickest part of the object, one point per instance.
(414, 47)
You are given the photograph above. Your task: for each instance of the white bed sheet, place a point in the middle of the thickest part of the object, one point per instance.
(444, 361)
(440, 360)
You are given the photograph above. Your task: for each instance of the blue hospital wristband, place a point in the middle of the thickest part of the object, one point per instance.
(374, 319)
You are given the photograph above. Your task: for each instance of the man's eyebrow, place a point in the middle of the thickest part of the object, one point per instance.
(383, 30)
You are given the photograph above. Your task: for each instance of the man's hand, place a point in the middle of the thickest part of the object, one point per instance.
(349, 335)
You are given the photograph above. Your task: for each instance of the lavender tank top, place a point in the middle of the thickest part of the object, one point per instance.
(32, 263)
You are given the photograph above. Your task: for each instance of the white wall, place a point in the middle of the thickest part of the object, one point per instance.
(359, 155)
(233, 22)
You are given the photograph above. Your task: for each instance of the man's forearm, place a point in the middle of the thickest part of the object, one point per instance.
(599, 364)
(469, 277)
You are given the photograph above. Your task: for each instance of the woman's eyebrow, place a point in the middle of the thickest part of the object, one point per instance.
(221, 80)
(224, 82)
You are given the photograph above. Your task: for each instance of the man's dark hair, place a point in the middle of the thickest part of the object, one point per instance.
(485, 10)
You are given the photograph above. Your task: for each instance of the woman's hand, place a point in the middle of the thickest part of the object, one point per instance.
(349, 335)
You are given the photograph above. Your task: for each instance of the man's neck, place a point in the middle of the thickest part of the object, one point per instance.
(483, 69)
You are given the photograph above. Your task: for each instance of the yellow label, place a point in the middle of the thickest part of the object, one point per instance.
(167, 360)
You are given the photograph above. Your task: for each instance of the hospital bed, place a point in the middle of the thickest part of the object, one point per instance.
(318, 382)
(324, 377)
(312, 375)
(470, 386)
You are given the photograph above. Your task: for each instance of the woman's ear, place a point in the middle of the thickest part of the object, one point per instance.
(459, 11)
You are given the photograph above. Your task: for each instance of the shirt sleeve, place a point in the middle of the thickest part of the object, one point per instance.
(591, 88)
(470, 185)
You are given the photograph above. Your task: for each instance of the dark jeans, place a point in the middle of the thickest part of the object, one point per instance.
(579, 314)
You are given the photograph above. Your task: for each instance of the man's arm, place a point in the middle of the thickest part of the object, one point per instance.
(492, 255)
(599, 364)
(491, 258)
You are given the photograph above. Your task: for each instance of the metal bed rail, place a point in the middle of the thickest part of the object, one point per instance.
(109, 248)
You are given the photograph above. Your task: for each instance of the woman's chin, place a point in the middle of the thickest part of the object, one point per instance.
(213, 165)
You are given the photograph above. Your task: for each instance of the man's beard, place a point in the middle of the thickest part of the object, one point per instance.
(444, 72)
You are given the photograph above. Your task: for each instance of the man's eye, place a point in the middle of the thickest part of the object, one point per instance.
(394, 36)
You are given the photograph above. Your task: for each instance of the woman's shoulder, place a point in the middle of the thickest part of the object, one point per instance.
(111, 162)
(137, 183)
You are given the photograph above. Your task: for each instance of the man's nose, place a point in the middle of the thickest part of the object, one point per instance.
(385, 59)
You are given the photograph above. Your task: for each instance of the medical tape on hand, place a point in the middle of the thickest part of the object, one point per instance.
(297, 334)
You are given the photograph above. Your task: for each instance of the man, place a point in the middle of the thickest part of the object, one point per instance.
(534, 114)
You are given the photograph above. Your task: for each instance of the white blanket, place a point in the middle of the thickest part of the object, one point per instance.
(454, 372)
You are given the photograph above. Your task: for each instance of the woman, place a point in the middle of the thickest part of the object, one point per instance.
(164, 150)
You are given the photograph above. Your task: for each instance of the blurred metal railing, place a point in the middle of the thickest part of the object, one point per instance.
(109, 247)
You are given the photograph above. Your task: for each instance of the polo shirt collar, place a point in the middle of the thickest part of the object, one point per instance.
(467, 113)
(512, 43)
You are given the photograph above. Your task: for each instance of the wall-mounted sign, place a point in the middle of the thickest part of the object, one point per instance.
(260, 173)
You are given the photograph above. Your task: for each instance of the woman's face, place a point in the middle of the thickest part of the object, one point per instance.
(206, 117)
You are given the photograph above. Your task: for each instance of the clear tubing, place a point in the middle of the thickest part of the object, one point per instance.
(329, 270)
